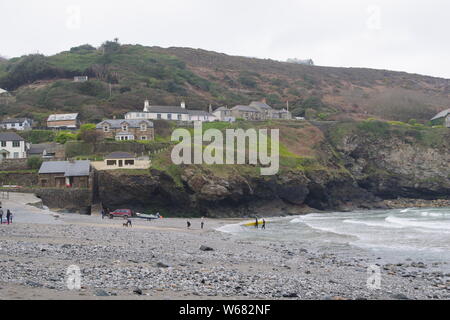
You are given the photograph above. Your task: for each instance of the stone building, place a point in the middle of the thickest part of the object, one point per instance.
(127, 129)
(50, 150)
(63, 121)
(224, 114)
(65, 174)
(259, 111)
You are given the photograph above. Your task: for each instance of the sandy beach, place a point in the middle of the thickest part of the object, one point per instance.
(163, 260)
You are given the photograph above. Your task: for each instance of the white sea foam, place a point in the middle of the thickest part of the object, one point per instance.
(438, 225)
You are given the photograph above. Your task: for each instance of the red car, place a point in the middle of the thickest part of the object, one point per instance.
(122, 213)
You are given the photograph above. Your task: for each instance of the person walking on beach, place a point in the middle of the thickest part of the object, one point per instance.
(256, 223)
(203, 223)
(8, 216)
(1, 215)
(188, 225)
(263, 225)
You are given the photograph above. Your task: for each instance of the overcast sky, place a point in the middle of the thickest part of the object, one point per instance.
(404, 35)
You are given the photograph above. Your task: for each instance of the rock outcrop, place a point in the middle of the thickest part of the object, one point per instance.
(357, 168)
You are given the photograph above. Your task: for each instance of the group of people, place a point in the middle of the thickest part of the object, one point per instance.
(263, 225)
(202, 224)
(8, 216)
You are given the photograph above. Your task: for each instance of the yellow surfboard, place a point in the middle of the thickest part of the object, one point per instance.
(253, 224)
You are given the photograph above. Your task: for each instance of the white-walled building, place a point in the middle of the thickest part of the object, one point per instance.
(12, 146)
(20, 124)
(173, 113)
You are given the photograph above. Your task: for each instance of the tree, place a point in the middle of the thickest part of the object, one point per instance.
(63, 137)
(34, 162)
(88, 133)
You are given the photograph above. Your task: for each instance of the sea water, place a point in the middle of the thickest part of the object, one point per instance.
(419, 235)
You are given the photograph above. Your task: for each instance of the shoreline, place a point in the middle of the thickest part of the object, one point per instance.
(163, 260)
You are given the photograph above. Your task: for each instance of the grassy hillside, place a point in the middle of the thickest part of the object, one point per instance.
(124, 75)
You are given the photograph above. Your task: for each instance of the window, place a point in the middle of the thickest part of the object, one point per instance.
(111, 162)
(143, 127)
(16, 155)
(169, 116)
(16, 144)
(3, 144)
(106, 129)
(125, 128)
(143, 138)
(129, 162)
(159, 116)
(179, 117)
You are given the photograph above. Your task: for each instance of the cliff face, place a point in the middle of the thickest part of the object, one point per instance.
(399, 166)
(355, 167)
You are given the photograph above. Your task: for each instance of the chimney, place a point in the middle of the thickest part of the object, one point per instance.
(146, 105)
(183, 105)
(210, 108)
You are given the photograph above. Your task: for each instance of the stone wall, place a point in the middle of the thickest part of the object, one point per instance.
(22, 179)
(69, 200)
(13, 164)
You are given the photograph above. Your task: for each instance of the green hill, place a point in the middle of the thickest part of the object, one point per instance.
(122, 76)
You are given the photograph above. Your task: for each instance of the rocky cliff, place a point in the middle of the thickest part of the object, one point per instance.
(349, 165)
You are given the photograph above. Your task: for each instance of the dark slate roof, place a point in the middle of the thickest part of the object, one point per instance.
(245, 108)
(442, 114)
(167, 109)
(39, 148)
(15, 120)
(260, 104)
(117, 124)
(10, 136)
(221, 109)
(120, 155)
(78, 168)
(199, 113)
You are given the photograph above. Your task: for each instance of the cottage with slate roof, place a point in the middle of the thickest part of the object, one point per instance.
(65, 174)
(443, 115)
(224, 114)
(19, 124)
(126, 129)
(173, 113)
(12, 146)
(258, 111)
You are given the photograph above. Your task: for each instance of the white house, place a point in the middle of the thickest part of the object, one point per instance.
(20, 124)
(12, 146)
(81, 79)
(170, 113)
(3, 92)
